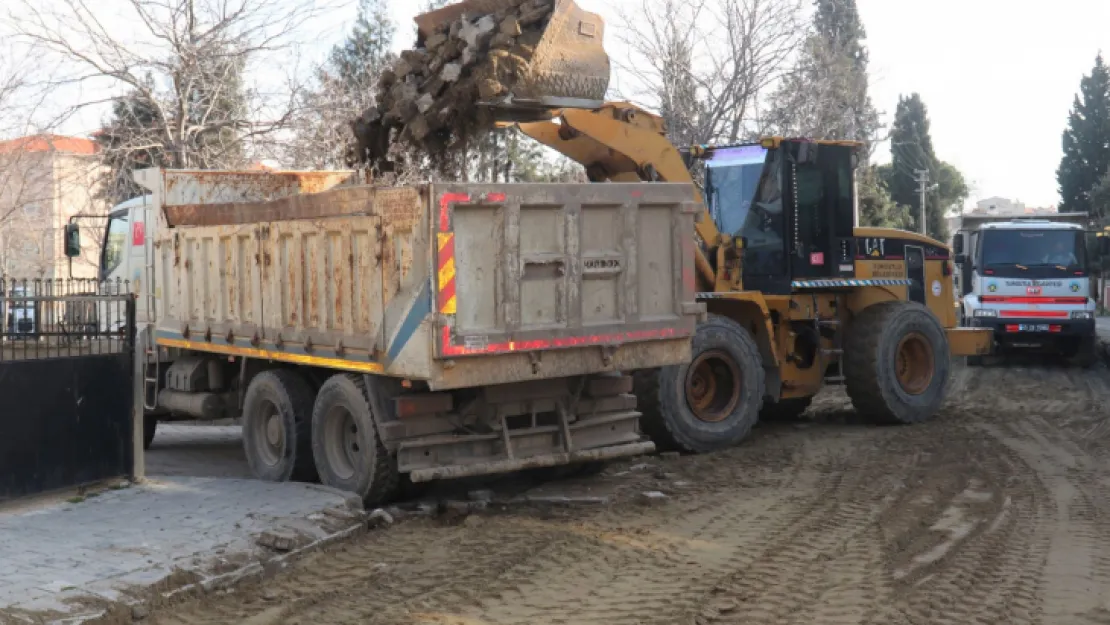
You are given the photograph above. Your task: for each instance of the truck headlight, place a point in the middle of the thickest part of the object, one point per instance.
(1082, 314)
(985, 313)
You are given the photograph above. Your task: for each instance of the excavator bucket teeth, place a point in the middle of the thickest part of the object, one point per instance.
(565, 59)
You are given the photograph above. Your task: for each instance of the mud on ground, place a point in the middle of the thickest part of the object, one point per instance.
(996, 512)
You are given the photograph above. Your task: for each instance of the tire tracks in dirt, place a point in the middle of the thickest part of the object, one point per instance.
(992, 514)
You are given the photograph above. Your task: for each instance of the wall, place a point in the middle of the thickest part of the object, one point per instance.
(39, 192)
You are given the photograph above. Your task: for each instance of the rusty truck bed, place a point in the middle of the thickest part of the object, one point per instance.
(459, 285)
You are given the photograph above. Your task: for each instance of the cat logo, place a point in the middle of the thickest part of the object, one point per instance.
(1074, 287)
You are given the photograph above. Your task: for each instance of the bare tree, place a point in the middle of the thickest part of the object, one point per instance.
(183, 64)
(704, 65)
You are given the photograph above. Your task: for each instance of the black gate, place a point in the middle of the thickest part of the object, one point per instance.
(66, 391)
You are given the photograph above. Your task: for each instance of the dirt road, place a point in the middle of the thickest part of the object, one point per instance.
(997, 512)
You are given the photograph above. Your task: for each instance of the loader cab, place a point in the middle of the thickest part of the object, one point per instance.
(792, 203)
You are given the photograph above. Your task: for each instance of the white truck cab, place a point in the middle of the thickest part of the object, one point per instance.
(1030, 280)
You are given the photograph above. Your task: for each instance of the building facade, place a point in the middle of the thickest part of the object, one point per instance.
(45, 180)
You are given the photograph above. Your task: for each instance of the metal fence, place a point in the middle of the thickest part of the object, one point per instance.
(62, 318)
(66, 383)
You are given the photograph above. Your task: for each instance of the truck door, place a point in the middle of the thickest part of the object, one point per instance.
(915, 273)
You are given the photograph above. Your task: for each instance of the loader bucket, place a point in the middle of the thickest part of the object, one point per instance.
(569, 61)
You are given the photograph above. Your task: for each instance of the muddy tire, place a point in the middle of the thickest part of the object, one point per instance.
(896, 362)
(1085, 354)
(786, 410)
(710, 403)
(150, 427)
(349, 454)
(277, 427)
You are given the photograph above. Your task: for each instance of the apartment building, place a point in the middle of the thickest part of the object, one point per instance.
(44, 181)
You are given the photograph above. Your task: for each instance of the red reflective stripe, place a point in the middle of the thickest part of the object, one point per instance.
(1039, 314)
(445, 202)
(577, 341)
(1006, 299)
(495, 198)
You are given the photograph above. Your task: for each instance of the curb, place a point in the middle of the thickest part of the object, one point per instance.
(257, 570)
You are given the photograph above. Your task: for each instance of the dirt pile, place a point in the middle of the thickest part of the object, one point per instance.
(428, 99)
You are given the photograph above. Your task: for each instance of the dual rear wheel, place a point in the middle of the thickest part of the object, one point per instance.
(291, 433)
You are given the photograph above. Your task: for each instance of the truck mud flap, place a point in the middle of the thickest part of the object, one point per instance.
(534, 462)
(970, 341)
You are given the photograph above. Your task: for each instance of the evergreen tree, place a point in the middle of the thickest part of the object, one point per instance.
(876, 208)
(826, 96)
(912, 150)
(1086, 142)
(133, 116)
(357, 62)
(678, 90)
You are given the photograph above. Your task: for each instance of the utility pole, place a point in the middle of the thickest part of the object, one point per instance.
(922, 188)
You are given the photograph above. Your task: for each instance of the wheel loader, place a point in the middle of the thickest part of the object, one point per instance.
(796, 294)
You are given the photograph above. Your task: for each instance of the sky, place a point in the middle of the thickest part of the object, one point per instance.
(998, 80)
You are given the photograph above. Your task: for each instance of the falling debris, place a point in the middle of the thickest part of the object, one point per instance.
(480, 51)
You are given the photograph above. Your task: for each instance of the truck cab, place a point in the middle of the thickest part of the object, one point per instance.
(1030, 281)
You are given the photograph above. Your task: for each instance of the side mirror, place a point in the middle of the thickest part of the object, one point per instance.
(958, 245)
(961, 259)
(73, 240)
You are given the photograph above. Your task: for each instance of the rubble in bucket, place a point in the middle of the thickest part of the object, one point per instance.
(480, 51)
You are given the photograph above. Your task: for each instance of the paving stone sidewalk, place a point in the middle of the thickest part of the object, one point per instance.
(131, 538)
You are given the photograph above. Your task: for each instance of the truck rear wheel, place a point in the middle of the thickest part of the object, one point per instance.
(896, 363)
(277, 427)
(150, 426)
(1084, 354)
(713, 401)
(785, 410)
(345, 444)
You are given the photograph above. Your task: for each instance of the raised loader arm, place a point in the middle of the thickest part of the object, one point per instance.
(619, 142)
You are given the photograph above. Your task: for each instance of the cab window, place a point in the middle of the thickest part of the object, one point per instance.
(115, 243)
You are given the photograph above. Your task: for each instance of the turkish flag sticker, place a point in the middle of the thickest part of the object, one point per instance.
(817, 258)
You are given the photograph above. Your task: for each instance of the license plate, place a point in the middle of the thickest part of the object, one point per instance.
(1033, 327)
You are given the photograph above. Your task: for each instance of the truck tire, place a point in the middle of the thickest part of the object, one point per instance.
(345, 444)
(785, 410)
(896, 363)
(277, 427)
(710, 403)
(1085, 355)
(150, 426)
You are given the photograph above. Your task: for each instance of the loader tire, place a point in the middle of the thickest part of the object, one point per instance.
(896, 363)
(349, 454)
(277, 427)
(786, 410)
(711, 402)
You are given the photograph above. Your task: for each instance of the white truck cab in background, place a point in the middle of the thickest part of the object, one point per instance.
(1031, 281)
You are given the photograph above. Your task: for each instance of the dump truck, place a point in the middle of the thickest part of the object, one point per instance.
(798, 294)
(1029, 281)
(370, 336)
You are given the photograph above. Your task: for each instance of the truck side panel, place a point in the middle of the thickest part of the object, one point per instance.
(322, 281)
(211, 281)
(541, 281)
